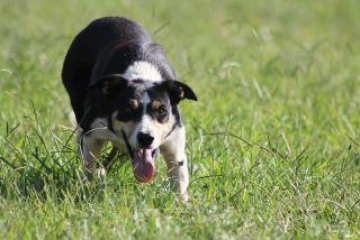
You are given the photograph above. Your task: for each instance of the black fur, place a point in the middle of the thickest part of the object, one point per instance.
(99, 54)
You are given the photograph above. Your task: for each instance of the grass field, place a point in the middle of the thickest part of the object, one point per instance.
(273, 142)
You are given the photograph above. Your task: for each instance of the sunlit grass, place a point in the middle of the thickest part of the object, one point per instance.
(273, 142)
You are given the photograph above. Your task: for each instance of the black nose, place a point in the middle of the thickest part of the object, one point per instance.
(144, 139)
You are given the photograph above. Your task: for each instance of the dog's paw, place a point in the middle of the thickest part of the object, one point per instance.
(98, 173)
(101, 173)
(185, 196)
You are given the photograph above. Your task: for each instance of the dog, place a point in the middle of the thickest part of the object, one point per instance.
(123, 90)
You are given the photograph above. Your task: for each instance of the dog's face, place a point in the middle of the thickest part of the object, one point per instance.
(144, 114)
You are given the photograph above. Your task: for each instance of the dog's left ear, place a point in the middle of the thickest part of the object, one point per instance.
(110, 84)
(178, 91)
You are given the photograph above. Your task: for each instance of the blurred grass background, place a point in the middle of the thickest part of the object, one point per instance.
(273, 142)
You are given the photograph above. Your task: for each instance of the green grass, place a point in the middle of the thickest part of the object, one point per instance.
(273, 143)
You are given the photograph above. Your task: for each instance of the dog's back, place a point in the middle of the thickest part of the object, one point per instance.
(87, 49)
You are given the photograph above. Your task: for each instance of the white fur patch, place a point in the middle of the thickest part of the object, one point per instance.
(72, 119)
(142, 70)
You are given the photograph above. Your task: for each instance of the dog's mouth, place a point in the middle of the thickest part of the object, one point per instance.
(143, 164)
(142, 161)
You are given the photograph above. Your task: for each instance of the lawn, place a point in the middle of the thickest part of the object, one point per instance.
(273, 142)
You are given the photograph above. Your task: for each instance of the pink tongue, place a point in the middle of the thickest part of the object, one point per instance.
(143, 165)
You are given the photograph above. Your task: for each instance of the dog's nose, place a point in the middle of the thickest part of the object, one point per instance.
(144, 139)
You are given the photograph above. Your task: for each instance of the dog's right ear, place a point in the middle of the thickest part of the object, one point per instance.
(178, 91)
(110, 84)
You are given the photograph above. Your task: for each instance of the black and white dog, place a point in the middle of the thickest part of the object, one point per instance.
(123, 89)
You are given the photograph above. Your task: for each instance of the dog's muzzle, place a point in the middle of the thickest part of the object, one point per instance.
(142, 161)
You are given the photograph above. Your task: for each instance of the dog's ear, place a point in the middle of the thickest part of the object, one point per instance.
(109, 85)
(178, 91)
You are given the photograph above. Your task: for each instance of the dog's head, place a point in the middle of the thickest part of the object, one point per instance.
(144, 114)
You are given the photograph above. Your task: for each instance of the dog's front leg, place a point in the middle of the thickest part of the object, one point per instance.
(91, 143)
(90, 148)
(173, 150)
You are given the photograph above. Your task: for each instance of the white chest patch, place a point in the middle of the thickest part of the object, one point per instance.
(142, 70)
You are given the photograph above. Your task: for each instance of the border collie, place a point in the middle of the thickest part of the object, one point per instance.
(123, 90)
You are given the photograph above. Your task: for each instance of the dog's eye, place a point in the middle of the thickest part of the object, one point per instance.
(160, 111)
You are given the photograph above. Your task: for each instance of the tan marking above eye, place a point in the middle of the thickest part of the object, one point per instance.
(155, 105)
(134, 104)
